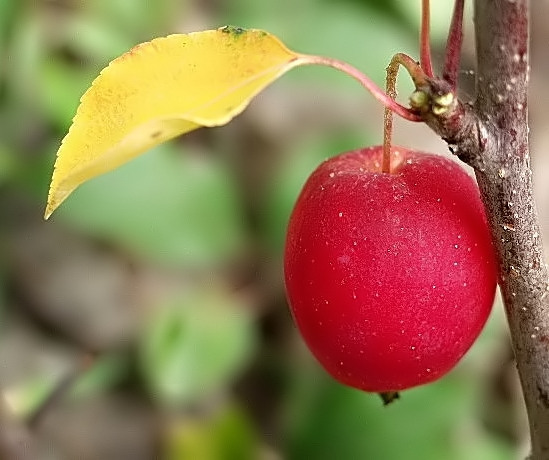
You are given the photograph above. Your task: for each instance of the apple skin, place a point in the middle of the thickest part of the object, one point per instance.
(390, 277)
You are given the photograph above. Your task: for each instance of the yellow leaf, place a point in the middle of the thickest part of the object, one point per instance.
(159, 90)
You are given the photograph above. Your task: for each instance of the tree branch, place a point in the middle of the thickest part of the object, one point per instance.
(502, 54)
(492, 136)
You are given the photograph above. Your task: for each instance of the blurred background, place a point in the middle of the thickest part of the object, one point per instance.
(147, 318)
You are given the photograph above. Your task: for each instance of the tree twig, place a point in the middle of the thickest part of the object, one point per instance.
(492, 136)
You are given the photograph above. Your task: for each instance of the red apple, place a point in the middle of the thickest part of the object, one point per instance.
(390, 276)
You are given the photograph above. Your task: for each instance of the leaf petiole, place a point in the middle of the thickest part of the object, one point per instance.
(411, 66)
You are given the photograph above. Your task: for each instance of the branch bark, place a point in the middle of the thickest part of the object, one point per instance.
(491, 135)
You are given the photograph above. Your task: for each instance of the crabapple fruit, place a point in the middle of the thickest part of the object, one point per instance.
(390, 277)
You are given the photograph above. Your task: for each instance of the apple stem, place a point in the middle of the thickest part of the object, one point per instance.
(425, 59)
(387, 138)
(453, 46)
(390, 89)
(411, 66)
(418, 76)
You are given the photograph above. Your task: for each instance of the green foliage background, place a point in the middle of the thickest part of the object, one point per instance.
(154, 297)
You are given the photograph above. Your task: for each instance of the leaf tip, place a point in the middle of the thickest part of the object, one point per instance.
(56, 196)
(51, 206)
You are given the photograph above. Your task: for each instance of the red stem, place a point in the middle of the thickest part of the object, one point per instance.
(411, 66)
(425, 59)
(453, 46)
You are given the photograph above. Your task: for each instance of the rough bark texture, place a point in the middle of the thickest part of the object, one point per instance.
(492, 136)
